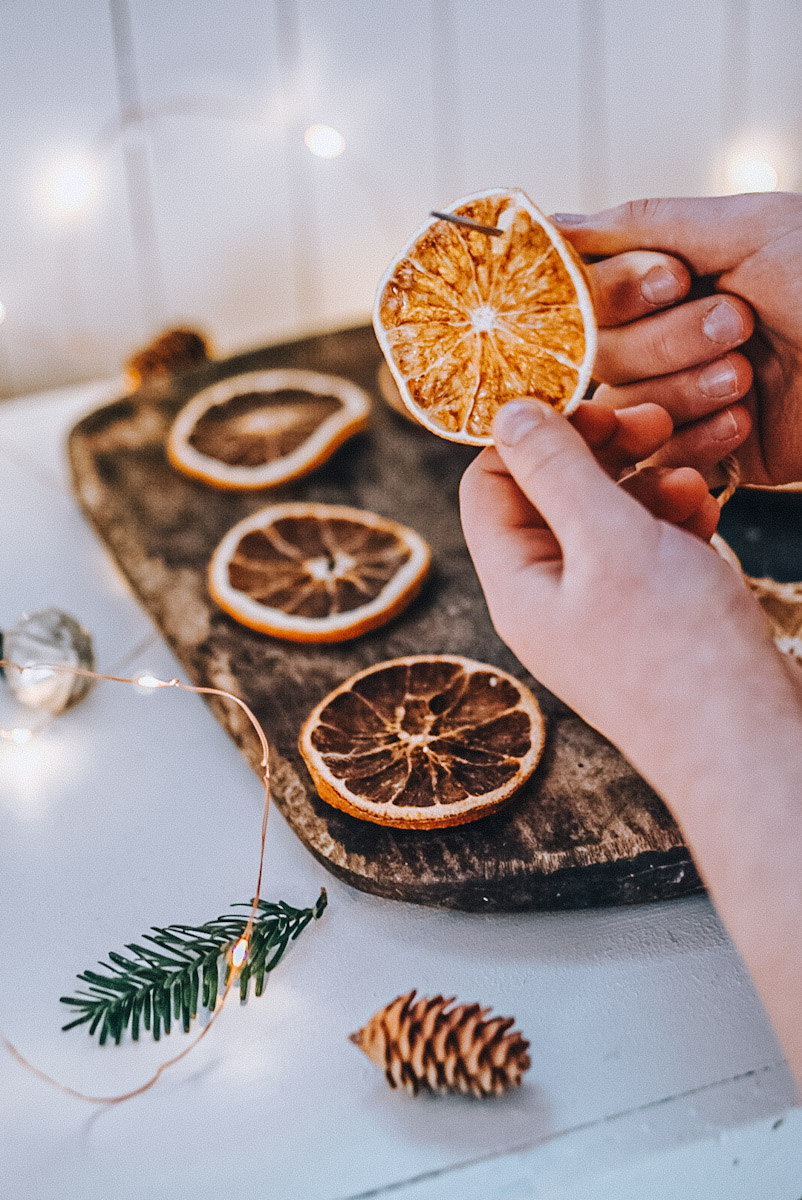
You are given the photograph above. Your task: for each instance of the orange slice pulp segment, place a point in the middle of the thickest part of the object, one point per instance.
(311, 572)
(468, 321)
(423, 742)
(264, 428)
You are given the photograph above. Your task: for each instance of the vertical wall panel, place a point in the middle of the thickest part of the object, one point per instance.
(69, 284)
(519, 102)
(366, 69)
(666, 91)
(209, 86)
(774, 92)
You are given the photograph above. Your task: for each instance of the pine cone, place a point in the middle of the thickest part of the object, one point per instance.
(421, 1046)
(170, 354)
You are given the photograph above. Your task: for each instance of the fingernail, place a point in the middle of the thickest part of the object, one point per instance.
(515, 420)
(569, 218)
(723, 428)
(723, 324)
(718, 379)
(659, 286)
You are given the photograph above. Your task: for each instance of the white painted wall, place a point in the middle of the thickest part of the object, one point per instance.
(209, 209)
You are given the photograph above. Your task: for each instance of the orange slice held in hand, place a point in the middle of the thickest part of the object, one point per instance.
(317, 572)
(423, 742)
(468, 321)
(264, 428)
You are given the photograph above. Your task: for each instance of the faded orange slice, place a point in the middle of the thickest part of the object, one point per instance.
(781, 602)
(423, 742)
(264, 428)
(317, 572)
(468, 321)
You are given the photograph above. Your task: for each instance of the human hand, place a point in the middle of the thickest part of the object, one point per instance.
(651, 637)
(615, 610)
(748, 251)
(621, 439)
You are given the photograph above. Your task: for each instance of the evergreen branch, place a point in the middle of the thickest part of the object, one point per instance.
(150, 988)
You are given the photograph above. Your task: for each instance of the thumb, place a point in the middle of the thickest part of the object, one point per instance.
(556, 471)
(712, 234)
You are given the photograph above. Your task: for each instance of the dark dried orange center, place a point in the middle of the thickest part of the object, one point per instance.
(258, 427)
(312, 567)
(424, 734)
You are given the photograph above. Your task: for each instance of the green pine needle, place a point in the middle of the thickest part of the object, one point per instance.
(151, 988)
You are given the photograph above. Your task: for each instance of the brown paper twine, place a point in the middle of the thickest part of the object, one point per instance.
(233, 973)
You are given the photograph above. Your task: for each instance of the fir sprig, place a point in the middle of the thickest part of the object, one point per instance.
(151, 988)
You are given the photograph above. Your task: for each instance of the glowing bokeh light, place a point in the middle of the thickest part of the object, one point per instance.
(239, 953)
(748, 172)
(69, 187)
(324, 142)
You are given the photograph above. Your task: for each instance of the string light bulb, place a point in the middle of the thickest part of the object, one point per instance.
(149, 682)
(324, 142)
(69, 187)
(239, 953)
(750, 172)
(18, 735)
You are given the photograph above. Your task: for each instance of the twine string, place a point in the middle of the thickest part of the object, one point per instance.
(232, 975)
(729, 465)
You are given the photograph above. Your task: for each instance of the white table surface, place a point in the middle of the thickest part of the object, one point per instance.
(654, 1070)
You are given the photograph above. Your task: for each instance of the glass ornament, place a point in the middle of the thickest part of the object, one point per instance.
(48, 636)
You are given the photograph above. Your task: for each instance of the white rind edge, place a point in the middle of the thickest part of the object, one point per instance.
(471, 666)
(261, 614)
(585, 304)
(356, 406)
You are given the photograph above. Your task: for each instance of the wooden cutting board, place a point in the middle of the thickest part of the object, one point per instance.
(585, 830)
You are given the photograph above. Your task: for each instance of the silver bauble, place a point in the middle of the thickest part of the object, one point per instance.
(48, 636)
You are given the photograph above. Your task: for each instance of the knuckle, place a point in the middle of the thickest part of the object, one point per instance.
(643, 210)
(663, 351)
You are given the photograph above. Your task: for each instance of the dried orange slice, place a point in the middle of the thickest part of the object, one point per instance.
(423, 742)
(317, 572)
(389, 391)
(264, 428)
(468, 321)
(781, 602)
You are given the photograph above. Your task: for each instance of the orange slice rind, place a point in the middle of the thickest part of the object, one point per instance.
(781, 602)
(311, 572)
(264, 428)
(423, 742)
(468, 321)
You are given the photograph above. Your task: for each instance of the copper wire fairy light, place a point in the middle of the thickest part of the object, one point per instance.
(237, 956)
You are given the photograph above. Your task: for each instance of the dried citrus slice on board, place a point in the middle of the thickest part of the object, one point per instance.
(423, 742)
(317, 572)
(781, 602)
(468, 321)
(264, 428)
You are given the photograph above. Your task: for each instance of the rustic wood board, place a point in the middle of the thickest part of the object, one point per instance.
(585, 830)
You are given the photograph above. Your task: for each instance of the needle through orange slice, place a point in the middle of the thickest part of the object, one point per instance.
(423, 742)
(317, 572)
(263, 428)
(468, 321)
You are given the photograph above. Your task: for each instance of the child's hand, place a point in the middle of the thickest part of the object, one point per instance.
(747, 251)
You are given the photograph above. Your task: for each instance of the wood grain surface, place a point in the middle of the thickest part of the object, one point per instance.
(585, 830)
